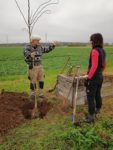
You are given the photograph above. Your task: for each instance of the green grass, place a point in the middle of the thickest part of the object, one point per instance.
(60, 134)
(56, 132)
(13, 69)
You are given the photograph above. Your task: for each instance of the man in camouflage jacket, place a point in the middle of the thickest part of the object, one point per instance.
(33, 57)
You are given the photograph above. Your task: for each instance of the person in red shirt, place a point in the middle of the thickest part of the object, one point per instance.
(94, 77)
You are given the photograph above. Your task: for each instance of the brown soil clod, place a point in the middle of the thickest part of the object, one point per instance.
(27, 110)
(44, 107)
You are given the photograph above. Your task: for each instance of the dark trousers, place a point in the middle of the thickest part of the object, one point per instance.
(93, 90)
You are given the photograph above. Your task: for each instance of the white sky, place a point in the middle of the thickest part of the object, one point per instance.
(71, 20)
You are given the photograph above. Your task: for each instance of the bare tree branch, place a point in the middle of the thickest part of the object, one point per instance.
(38, 13)
(39, 8)
(29, 21)
(21, 12)
(44, 12)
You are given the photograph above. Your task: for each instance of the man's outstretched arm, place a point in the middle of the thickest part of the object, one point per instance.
(49, 49)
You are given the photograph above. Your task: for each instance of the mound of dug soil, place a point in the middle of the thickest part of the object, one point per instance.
(15, 109)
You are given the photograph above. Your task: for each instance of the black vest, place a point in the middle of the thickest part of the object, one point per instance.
(101, 60)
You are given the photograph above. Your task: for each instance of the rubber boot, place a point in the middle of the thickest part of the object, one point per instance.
(32, 96)
(40, 93)
(97, 110)
(90, 118)
(33, 92)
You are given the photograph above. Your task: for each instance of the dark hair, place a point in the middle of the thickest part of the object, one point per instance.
(97, 40)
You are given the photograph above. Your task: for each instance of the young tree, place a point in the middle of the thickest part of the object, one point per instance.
(31, 20)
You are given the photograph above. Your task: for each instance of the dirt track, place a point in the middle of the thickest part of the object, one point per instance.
(14, 110)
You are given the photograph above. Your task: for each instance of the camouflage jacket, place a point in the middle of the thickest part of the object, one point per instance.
(39, 50)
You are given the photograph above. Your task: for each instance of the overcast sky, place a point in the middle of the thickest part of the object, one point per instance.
(71, 20)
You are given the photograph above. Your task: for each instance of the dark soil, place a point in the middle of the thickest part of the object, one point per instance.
(15, 109)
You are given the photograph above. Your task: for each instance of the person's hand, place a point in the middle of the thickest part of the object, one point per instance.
(33, 54)
(53, 44)
(85, 77)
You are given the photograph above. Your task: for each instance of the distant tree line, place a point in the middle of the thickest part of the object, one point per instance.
(67, 44)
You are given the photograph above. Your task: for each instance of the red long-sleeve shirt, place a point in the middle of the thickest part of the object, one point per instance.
(94, 58)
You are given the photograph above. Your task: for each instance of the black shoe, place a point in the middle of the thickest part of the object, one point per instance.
(97, 110)
(90, 118)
